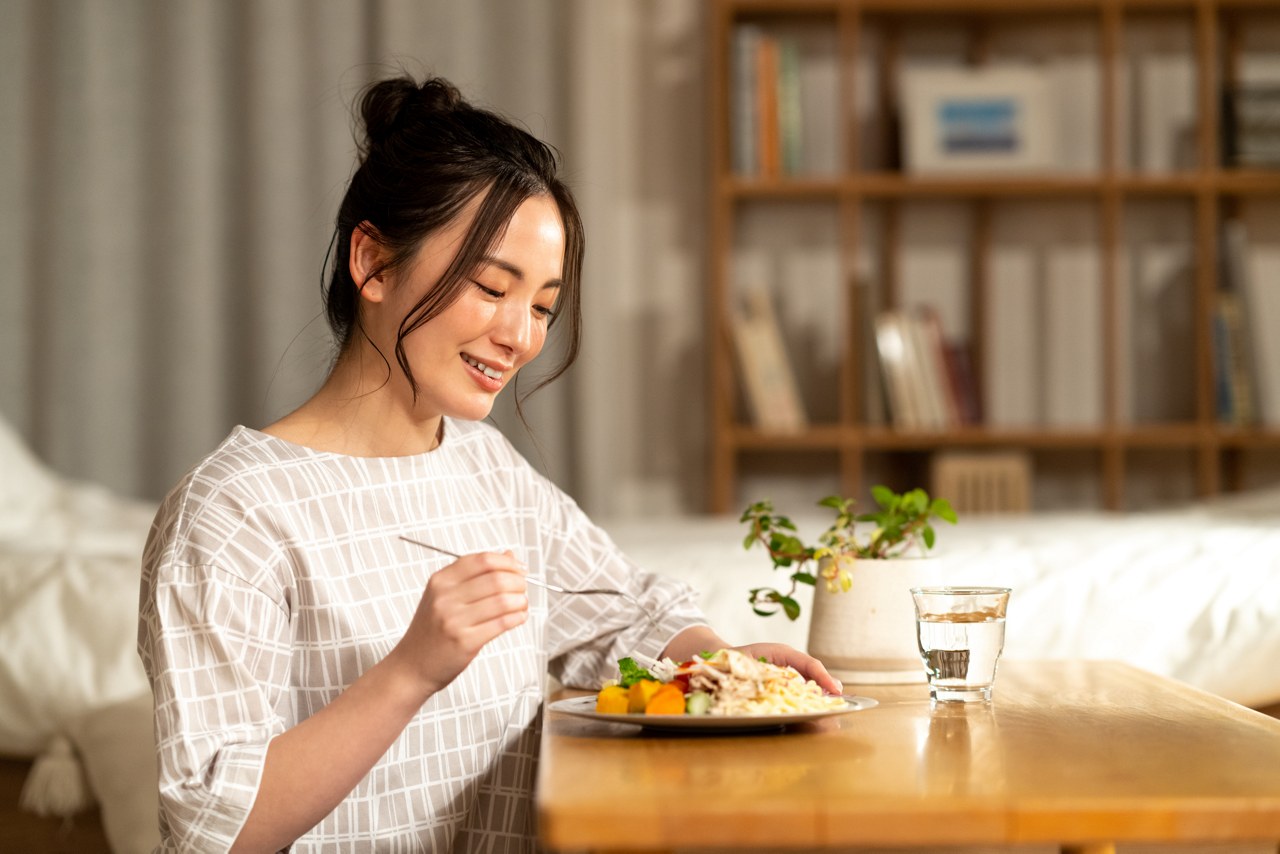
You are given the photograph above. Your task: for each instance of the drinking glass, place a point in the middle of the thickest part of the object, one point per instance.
(960, 631)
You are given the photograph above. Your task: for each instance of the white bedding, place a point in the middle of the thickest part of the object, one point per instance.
(1192, 594)
(70, 560)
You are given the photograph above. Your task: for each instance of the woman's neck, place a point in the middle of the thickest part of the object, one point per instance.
(361, 412)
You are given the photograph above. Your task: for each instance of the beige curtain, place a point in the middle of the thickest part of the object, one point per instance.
(169, 173)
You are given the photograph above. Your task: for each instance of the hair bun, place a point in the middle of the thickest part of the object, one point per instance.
(438, 95)
(386, 101)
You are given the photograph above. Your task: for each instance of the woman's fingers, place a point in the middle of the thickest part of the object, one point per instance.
(786, 656)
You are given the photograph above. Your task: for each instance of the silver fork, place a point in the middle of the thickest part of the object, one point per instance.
(605, 591)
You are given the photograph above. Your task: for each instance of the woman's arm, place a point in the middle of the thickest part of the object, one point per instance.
(698, 638)
(312, 767)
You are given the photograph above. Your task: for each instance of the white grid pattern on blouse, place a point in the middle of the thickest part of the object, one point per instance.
(274, 578)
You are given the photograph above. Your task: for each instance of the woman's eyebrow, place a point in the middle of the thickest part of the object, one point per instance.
(518, 273)
(505, 265)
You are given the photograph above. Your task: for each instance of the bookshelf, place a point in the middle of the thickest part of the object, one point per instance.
(1207, 188)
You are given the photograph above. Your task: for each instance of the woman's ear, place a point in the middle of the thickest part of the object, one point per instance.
(366, 263)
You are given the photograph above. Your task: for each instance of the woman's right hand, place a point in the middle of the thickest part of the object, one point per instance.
(467, 604)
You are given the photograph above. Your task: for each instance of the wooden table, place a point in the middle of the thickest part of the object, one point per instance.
(1073, 753)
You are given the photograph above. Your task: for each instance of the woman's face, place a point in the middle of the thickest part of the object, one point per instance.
(464, 356)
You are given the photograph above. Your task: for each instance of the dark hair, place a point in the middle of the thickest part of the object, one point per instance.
(425, 153)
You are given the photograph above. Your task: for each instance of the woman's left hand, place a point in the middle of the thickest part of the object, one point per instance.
(690, 641)
(786, 656)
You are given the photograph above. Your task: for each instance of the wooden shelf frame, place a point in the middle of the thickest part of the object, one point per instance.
(1208, 188)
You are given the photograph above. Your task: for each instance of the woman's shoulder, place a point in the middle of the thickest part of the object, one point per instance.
(244, 466)
(247, 474)
(219, 514)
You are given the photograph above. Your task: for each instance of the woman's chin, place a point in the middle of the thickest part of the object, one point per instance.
(475, 408)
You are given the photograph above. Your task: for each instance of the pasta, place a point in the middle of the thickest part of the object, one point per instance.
(740, 685)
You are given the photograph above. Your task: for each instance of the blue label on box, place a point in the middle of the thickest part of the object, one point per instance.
(973, 126)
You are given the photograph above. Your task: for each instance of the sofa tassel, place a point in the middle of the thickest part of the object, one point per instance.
(55, 785)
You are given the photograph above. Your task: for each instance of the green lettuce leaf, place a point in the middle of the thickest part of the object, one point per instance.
(632, 672)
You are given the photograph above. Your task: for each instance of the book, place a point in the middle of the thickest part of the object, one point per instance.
(943, 383)
(966, 387)
(768, 144)
(745, 157)
(1073, 337)
(893, 349)
(1234, 305)
(770, 383)
(790, 116)
(1223, 405)
(820, 125)
(1262, 287)
(923, 376)
(1012, 366)
(1233, 391)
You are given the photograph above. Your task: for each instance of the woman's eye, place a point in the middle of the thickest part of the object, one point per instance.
(543, 311)
(489, 291)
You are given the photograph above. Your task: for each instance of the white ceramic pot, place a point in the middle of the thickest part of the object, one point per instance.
(868, 634)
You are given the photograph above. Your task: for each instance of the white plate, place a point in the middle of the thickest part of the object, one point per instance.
(585, 707)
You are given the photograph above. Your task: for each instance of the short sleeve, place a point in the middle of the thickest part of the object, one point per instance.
(586, 635)
(214, 637)
(217, 652)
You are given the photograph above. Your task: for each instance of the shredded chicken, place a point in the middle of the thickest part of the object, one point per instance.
(740, 685)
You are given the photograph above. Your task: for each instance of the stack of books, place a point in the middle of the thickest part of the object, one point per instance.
(1251, 126)
(929, 382)
(1246, 348)
(785, 105)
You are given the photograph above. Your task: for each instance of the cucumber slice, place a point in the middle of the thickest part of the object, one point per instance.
(697, 703)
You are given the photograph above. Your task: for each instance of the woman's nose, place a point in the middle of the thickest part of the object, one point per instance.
(515, 328)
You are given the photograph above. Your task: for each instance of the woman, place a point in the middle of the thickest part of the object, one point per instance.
(321, 683)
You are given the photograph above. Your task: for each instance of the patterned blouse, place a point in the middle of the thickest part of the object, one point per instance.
(274, 576)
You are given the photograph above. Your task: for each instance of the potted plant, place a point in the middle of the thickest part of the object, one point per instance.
(863, 623)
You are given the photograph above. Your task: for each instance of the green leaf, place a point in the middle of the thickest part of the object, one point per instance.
(749, 541)
(928, 536)
(707, 656)
(804, 578)
(762, 613)
(784, 522)
(917, 500)
(883, 495)
(869, 517)
(791, 606)
(632, 672)
(942, 509)
(832, 501)
(764, 660)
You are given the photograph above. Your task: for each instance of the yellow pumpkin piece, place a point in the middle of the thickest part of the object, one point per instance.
(612, 701)
(669, 700)
(641, 693)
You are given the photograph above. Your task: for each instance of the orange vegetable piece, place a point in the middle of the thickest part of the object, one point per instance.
(612, 701)
(669, 700)
(641, 693)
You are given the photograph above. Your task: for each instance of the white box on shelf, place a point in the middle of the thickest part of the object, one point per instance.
(985, 120)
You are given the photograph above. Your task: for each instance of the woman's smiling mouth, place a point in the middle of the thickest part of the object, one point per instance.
(489, 378)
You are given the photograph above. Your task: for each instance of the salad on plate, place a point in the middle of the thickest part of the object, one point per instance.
(725, 683)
